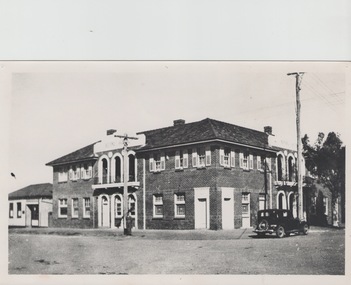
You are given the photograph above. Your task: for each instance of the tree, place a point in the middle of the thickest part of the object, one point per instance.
(325, 159)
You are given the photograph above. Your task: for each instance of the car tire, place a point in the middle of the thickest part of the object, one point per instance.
(305, 229)
(263, 225)
(280, 231)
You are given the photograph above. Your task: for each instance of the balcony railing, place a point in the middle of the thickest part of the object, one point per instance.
(109, 179)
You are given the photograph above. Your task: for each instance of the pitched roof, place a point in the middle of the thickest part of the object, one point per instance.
(43, 190)
(207, 129)
(78, 155)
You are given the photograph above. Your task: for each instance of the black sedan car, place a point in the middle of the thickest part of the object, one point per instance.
(280, 222)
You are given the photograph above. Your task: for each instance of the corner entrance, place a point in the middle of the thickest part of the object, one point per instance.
(202, 209)
(227, 208)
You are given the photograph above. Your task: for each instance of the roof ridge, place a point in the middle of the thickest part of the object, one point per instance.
(212, 127)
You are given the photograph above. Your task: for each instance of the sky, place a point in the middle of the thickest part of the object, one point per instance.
(58, 107)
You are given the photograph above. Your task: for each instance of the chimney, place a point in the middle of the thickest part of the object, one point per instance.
(178, 122)
(268, 130)
(110, 132)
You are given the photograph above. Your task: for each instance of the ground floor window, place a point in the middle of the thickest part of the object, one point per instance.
(11, 210)
(19, 210)
(179, 204)
(86, 207)
(75, 208)
(158, 205)
(261, 201)
(62, 209)
(118, 206)
(325, 205)
(131, 205)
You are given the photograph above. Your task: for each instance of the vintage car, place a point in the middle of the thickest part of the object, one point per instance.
(280, 222)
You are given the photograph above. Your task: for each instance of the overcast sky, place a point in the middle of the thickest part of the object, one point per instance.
(57, 108)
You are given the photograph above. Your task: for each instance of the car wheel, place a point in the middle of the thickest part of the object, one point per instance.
(263, 225)
(280, 231)
(305, 229)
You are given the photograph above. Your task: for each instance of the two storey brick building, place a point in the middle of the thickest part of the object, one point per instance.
(201, 175)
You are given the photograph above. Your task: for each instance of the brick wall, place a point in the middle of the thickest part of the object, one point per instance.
(72, 189)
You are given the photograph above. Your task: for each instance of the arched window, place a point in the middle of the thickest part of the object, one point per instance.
(104, 163)
(118, 206)
(281, 200)
(131, 168)
(291, 168)
(118, 169)
(280, 167)
(131, 204)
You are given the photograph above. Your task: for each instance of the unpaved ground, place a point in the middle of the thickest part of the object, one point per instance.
(174, 252)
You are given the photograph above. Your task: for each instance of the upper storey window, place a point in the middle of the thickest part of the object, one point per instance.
(246, 160)
(201, 157)
(157, 162)
(226, 157)
(280, 167)
(62, 174)
(181, 159)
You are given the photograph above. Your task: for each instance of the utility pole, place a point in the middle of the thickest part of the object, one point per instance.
(125, 179)
(298, 76)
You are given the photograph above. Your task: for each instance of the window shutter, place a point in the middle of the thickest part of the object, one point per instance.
(163, 162)
(221, 156)
(208, 156)
(185, 159)
(70, 174)
(251, 161)
(151, 163)
(241, 158)
(177, 160)
(78, 172)
(82, 173)
(259, 165)
(232, 158)
(194, 157)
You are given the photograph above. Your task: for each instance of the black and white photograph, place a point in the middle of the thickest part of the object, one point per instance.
(171, 167)
(174, 142)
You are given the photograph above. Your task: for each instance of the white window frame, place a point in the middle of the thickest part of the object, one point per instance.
(245, 200)
(251, 164)
(11, 210)
(177, 203)
(201, 157)
(120, 201)
(157, 162)
(19, 210)
(326, 205)
(85, 212)
(244, 160)
(261, 199)
(157, 202)
(259, 163)
(181, 159)
(62, 205)
(62, 175)
(232, 158)
(73, 208)
(86, 171)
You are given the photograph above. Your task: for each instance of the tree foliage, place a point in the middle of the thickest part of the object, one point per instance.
(325, 159)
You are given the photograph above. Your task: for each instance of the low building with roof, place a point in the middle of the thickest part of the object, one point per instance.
(201, 175)
(31, 206)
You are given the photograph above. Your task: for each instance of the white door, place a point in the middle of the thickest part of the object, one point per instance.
(201, 214)
(202, 208)
(227, 208)
(105, 212)
(227, 213)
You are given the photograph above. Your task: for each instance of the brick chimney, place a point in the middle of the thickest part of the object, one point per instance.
(268, 130)
(178, 122)
(110, 132)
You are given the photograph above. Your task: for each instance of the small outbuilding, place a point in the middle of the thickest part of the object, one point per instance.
(30, 206)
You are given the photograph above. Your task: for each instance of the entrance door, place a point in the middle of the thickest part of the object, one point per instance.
(201, 214)
(227, 209)
(105, 212)
(34, 214)
(202, 208)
